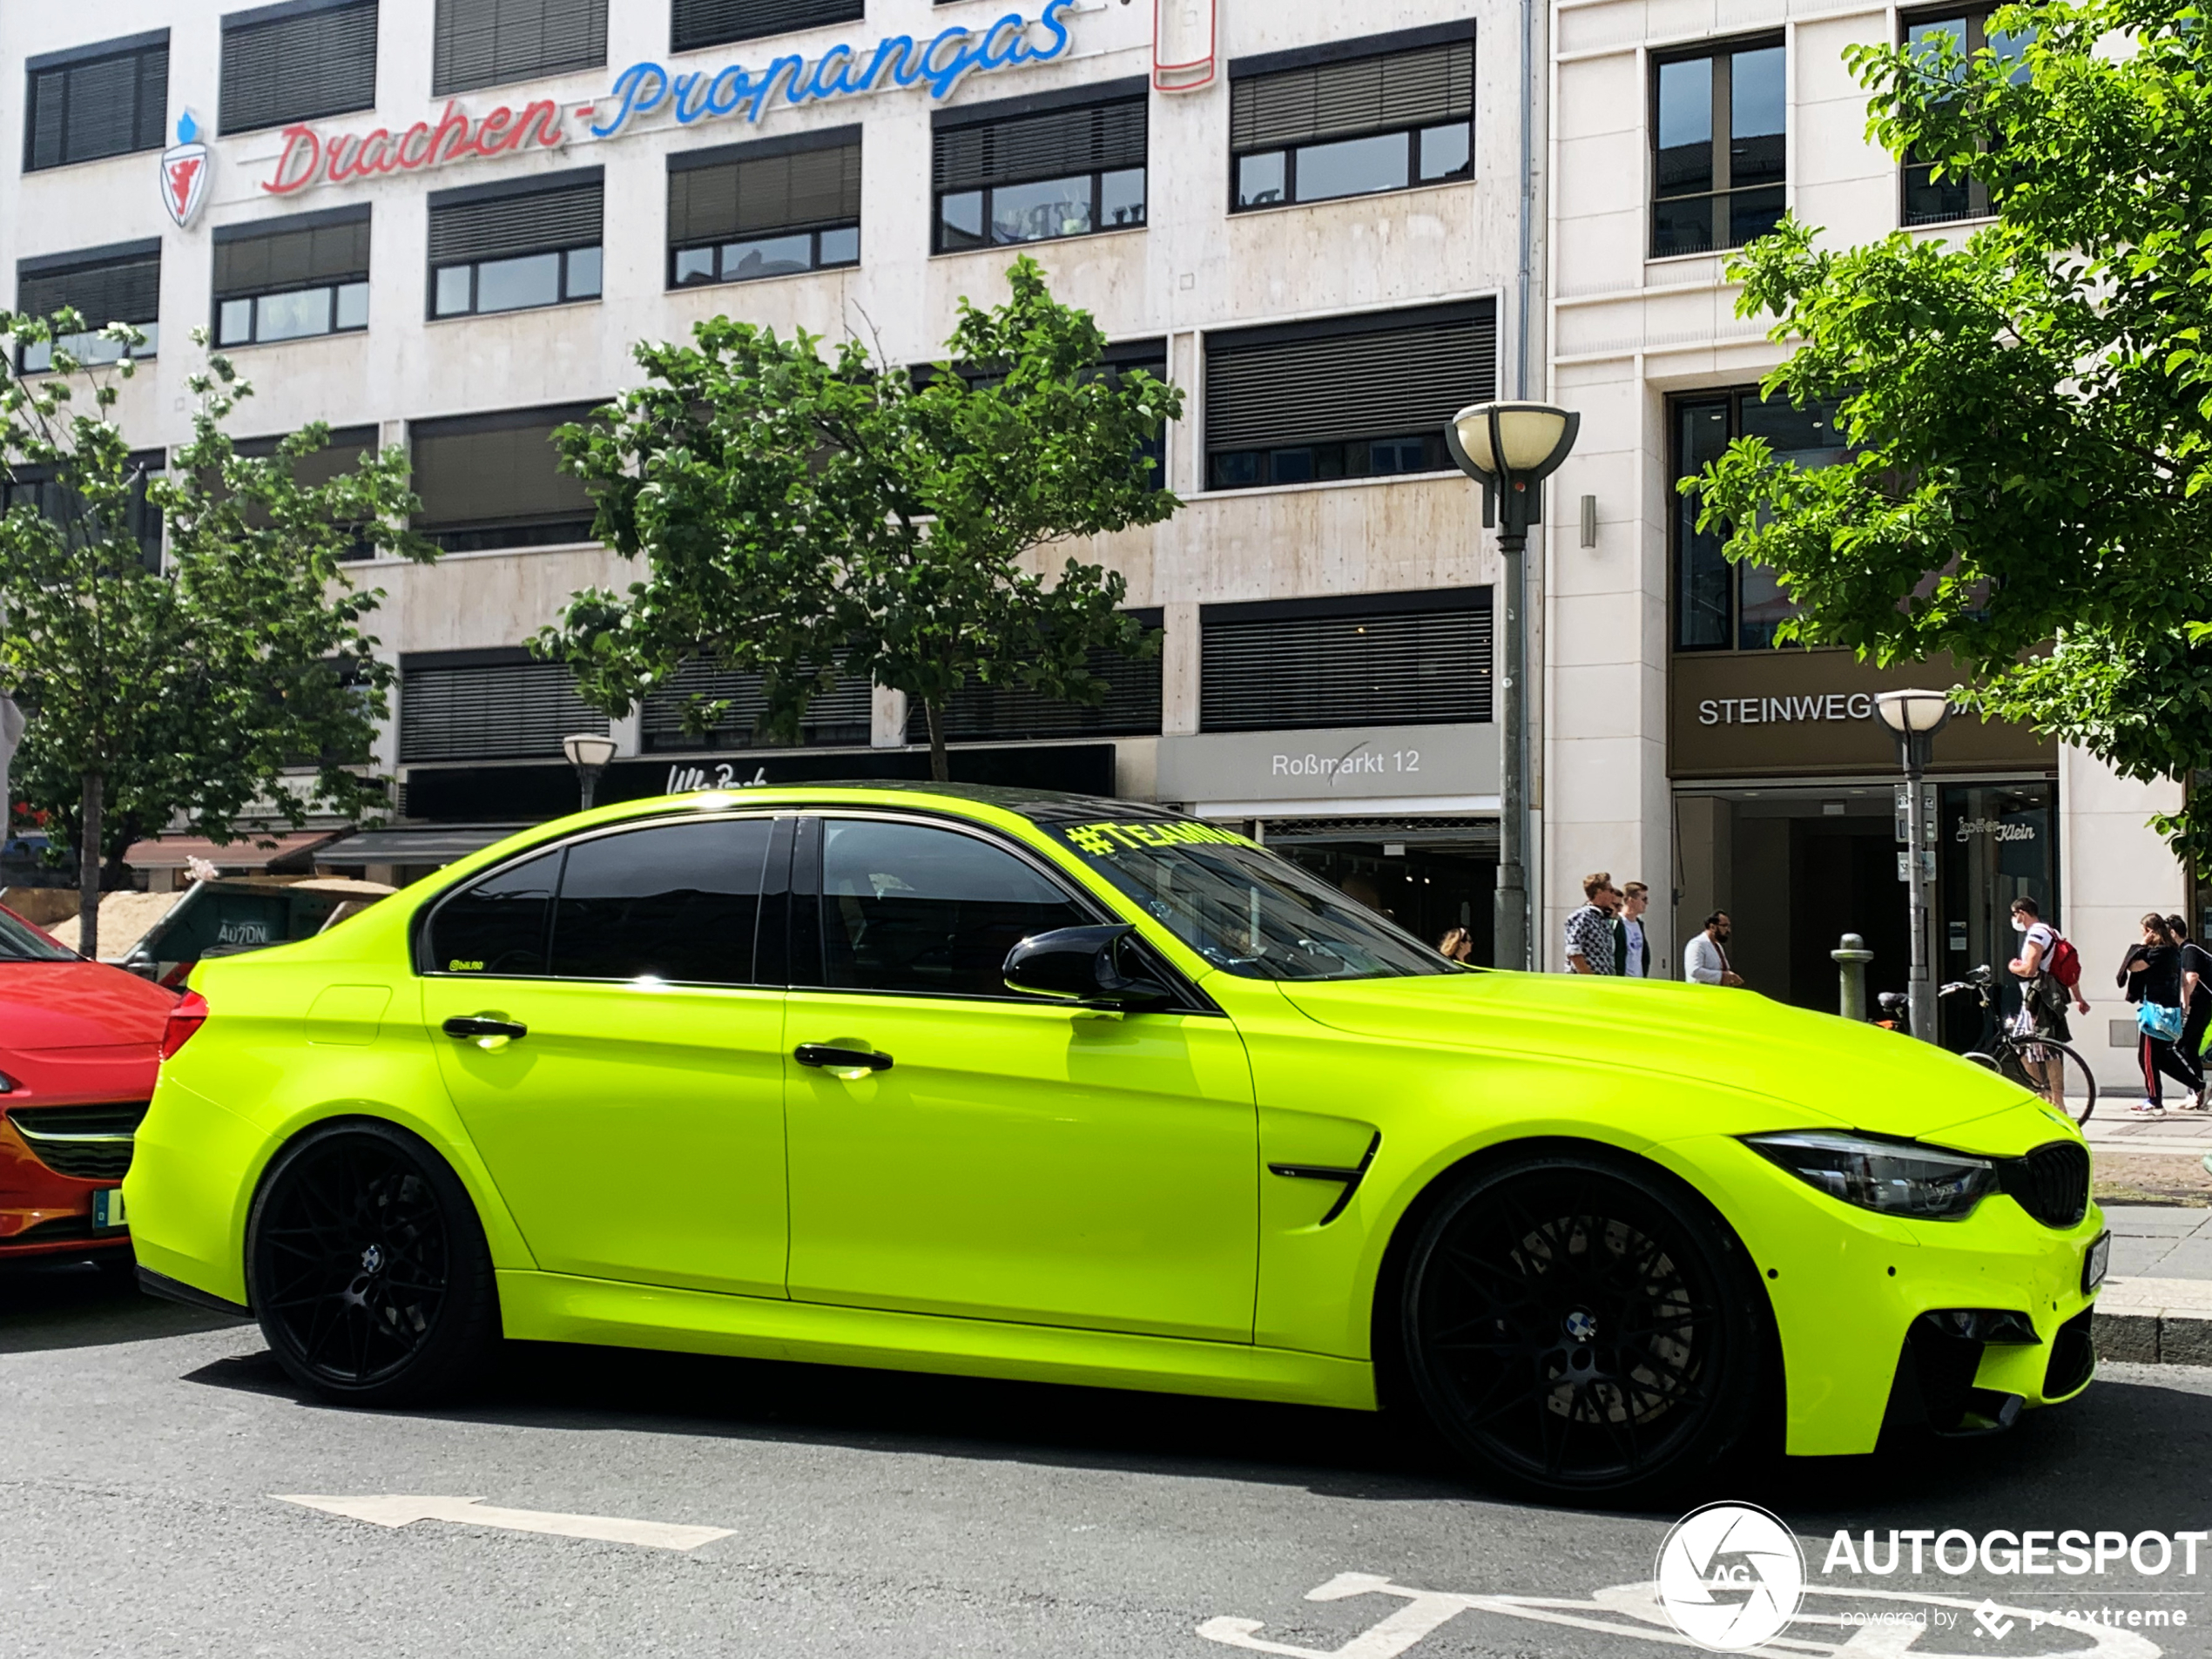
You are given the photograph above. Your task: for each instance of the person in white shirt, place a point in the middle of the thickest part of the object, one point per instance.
(1705, 960)
(1631, 950)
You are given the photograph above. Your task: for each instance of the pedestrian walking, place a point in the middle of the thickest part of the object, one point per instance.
(2196, 993)
(1457, 946)
(1704, 958)
(2152, 974)
(1589, 930)
(1631, 950)
(2050, 975)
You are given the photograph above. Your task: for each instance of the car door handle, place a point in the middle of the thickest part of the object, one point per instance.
(483, 1025)
(823, 1054)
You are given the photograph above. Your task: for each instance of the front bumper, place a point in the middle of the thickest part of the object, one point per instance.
(43, 1212)
(1846, 1286)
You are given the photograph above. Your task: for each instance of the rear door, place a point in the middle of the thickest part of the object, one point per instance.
(633, 1119)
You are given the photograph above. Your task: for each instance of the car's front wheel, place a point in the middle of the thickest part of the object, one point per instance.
(1581, 1330)
(368, 1267)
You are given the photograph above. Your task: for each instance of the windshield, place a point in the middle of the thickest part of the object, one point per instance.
(21, 943)
(1243, 909)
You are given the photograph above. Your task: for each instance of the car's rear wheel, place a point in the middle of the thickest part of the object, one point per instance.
(367, 1268)
(1583, 1330)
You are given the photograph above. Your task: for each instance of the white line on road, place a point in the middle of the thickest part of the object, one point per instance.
(393, 1509)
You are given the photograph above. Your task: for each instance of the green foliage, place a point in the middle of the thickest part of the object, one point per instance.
(809, 517)
(2031, 405)
(197, 687)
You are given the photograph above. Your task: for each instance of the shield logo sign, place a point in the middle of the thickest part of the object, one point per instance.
(183, 171)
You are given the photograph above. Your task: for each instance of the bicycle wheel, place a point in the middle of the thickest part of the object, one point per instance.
(2052, 1069)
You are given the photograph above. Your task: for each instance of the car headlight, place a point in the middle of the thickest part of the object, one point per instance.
(1894, 1177)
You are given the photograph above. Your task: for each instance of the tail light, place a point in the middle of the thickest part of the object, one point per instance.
(189, 1015)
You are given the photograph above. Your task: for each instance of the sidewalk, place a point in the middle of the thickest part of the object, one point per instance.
(2156, 1305)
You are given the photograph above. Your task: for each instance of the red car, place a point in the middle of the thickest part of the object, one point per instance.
(79, 1043)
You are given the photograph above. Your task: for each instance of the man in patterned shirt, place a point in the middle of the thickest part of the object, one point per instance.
(1589, 930)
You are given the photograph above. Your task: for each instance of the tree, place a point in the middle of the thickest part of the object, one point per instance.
(2030, 408)
(808, 517)
(230, 681)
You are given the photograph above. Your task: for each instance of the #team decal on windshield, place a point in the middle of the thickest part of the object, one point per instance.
(1104, 841)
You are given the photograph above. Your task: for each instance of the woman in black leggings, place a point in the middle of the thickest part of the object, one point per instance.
(2153, 973)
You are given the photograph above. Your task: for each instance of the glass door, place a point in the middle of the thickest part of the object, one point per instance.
(1998, 843)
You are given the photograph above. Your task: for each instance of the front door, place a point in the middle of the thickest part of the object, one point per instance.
(634, 1121)
(1020, 1159)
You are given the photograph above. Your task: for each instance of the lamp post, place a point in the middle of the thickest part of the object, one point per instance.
(1913, 718)
(1510, 448)
(588, 752)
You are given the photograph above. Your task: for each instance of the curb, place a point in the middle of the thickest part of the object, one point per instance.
(2155, 1321)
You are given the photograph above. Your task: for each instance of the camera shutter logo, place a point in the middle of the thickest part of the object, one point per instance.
(1730, 1576)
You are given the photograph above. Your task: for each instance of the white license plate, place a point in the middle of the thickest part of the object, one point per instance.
(2093, 1263)
(107, 1209)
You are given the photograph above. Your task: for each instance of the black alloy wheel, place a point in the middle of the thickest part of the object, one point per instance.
(1582, 1329)
(368, 1267)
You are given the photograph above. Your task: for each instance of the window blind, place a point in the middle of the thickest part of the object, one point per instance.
(694, 23)
(497, 469)
(112, 289)
(483, 42)
(846, 715)
(752, 196)
(1332, 100)
(287, 255)
(1350, 378)
(297, 65)
(107, 105)
(1399, 659)
(341, 454)
(469, 227)
(495, 710)
(1011, 713)
(1088, 138)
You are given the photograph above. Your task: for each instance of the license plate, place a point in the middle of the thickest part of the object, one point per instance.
(107, 1209)
(2094, 1264)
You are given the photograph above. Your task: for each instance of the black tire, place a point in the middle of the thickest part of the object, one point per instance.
(367, 1267)
(1584, 1328)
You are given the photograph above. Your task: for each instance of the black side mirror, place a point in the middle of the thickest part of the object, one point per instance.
(1077, 964)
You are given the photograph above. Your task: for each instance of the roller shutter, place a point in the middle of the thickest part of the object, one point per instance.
(499, 711)
(304, 64)
(1010, 714)
(484, 43)
(754, 196)
(694, 23)
(496, 470)
(471, 228)
(287, 255)
(1426, 87)
(95, 106)
(844, 716)
(1089, 139)
(126, 288)
(1379, 376)
(1400, 659)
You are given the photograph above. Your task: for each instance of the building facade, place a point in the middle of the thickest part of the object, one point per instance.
(1682, 744)
(444, 224)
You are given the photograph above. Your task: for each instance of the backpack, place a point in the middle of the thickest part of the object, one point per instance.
(2065, 965)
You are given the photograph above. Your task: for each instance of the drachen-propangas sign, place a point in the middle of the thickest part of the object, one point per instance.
(647, 91)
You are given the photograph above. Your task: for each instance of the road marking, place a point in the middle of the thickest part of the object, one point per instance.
(393, 1509)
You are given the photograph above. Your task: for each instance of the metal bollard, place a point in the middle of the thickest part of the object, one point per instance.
(1851, 968)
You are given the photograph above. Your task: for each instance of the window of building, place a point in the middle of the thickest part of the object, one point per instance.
(96, 101)
(300, 61)
(290, 279)
(341, 452)
(1353, 118)
(120, 283)
(1720, 606)
(37, 486)
(494, 481)
(1719, 125)
(694, 23)
(497, 704)
(979, 713)
(1930, 200)
(1032, 170)
(485, 43)
(676, 902)
(761, 210)
(1361, 659)
(1347, 397)
(515, 247)
(844, 716)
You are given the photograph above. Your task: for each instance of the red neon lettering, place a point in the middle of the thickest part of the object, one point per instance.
(540, 123)
(419, 130)
(340, 153)
(491, 132)
(296, 167)
(451, 138)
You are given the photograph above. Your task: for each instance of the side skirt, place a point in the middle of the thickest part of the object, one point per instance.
(554, 1307)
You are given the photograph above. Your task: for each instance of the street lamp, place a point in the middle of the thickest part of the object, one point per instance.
(1510, 448)
(588, 752)
(1913, 718)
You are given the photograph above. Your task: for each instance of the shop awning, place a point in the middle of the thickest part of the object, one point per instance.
(424, 844)
(295, 851)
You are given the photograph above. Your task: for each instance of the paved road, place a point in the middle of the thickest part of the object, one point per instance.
(873, 1514)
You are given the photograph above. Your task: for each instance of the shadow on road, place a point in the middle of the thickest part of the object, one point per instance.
(2132, 1454)
(57, 1304)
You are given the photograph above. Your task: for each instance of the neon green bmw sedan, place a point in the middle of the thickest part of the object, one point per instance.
(1058, 1087)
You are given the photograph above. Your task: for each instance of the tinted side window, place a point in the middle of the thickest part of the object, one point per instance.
(906, 907)
(677, 902)
(497, 928)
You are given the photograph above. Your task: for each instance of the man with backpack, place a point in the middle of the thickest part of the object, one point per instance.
(2050, 970)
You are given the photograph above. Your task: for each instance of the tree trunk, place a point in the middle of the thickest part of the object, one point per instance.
(941, 765)
(88, 871)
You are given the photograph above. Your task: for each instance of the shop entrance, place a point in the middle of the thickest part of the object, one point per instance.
(1426, 885)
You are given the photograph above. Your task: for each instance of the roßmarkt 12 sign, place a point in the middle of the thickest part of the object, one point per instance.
(1353, 762)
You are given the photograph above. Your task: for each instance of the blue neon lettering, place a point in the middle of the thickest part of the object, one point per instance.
(944, 76)
(994, 56)
(641, 88)
(718, 102)
(827, 84)
(790, 71)
(1050, 19)
(689, 109)
(905, 71)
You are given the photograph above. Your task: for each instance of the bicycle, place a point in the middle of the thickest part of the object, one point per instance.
(2065, 1074)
